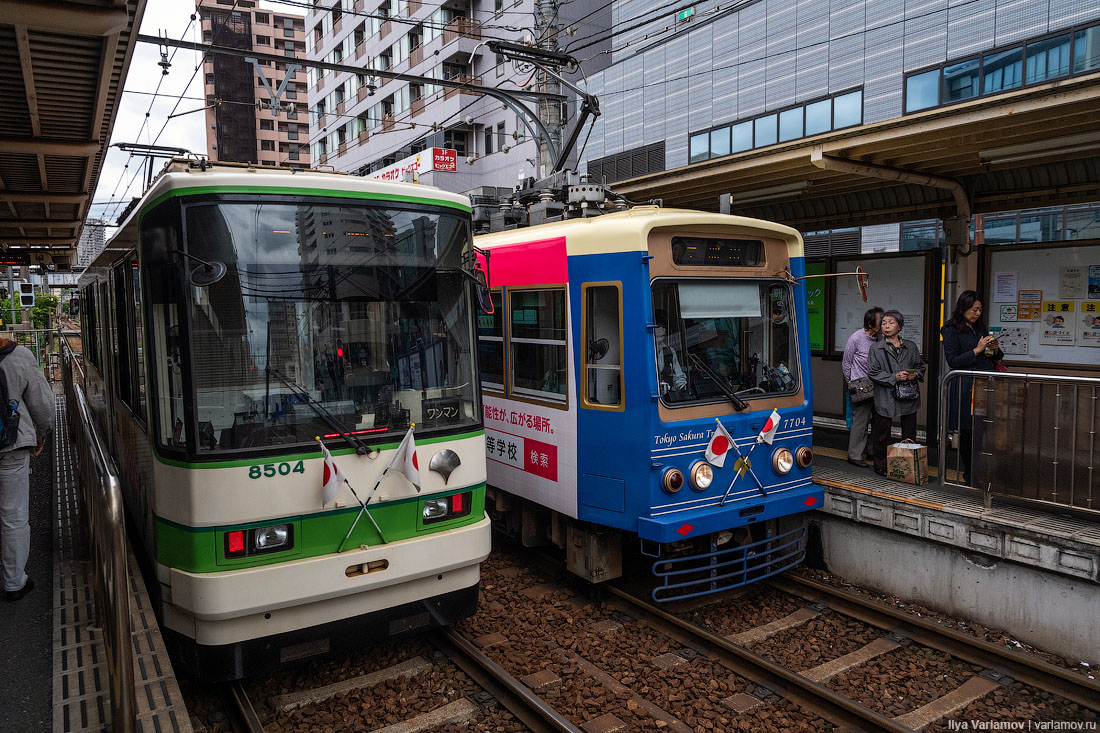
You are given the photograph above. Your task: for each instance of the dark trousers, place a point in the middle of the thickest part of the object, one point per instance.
(880, 435)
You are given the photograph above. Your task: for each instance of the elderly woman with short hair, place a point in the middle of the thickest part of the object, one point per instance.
(891, 362)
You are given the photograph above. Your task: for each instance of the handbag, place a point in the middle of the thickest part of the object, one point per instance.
(906, 390)
(861, 390)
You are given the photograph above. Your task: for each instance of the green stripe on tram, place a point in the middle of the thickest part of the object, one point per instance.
(296, 191)
(202, 549)
(315, 452)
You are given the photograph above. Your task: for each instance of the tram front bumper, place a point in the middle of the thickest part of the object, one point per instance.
(709, 517)
(289, 595)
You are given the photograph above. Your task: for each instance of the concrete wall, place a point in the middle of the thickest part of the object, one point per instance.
(1052, 612)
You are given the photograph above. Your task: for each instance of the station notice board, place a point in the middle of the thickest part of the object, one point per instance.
(1045, 303)
(894, 283)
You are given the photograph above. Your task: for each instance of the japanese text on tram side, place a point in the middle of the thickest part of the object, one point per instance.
(519, 419)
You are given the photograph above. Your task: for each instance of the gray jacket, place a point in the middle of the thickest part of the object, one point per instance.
(27, 384)
(883, 365)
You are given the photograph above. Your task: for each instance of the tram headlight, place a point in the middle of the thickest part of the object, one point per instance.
(266, 539)
(673, 480)
(435, 508)
(782, 461)
(702, 475)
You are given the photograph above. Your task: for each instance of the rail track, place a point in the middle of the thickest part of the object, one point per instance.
(546, 653)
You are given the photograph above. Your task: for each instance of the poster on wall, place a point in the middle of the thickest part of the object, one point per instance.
(1058, 327)
(913, 328)
(1090, 324)
(815, 304)
(1008, 313)
(1029, 305)
(1071, 282)
(1004, 287)
(1094, 282)
(1013, 340)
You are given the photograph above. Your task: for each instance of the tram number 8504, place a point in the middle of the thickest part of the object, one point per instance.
(271, 469)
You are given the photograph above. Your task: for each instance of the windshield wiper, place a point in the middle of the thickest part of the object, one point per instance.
(359, 446)
(738, 404)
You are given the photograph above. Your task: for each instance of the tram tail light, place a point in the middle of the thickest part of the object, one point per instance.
(259, 541)
(446, 508)
(804, 456)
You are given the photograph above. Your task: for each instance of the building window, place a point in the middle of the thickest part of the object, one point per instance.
(819, 117)
(922, 91)
(960, 81)
(263, 18)
(1002, 71)
(500, 136)
(790, 124)
(455, 140)
(741, 137)
(1033, 62)
(764, 131)
(488, 141)
(267, 124)
(1086, 50)
(1048, 59)
(538, 353)
(267, 145)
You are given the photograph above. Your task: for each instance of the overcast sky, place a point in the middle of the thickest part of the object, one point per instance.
(117, 182)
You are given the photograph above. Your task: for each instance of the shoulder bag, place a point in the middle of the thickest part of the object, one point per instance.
(906, 390)
(861, 390)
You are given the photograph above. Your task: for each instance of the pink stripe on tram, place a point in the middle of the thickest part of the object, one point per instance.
(529, 263)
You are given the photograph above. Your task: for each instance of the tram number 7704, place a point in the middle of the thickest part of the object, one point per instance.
(794, 422)
(261, 470)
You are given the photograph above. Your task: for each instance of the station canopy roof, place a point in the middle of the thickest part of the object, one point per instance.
(62, 70)
(1032, 147)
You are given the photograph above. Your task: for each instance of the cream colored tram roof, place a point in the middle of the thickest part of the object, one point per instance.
(628, 231)
(183, 174)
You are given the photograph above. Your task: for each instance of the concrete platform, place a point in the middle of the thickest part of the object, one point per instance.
(54, 674)
(1031, 572)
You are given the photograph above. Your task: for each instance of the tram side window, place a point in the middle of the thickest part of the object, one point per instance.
(490, 345)
(538, 349)
(120, 343)
(603, 372)
(90, 342)
(167, 364)
(138, 351)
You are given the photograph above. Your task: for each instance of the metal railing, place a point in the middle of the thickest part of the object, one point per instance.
(1031, 437)
(105, 529)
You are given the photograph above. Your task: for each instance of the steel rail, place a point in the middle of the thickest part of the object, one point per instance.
(803, 692)
(517, 698)
(242, 713)
(1034, 672)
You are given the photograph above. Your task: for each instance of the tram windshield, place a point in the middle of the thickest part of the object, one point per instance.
(330, 318)
(716, 338)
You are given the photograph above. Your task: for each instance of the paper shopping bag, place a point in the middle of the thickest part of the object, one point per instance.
(907, 462)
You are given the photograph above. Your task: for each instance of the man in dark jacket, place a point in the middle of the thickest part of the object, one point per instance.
(31, 397)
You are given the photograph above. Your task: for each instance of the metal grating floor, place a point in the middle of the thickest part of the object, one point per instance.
(1024, 518)
(80, 677)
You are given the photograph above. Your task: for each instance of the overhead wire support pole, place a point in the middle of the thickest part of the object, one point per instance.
(512, 99)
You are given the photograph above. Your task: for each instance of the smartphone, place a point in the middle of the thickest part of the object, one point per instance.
(910, 371)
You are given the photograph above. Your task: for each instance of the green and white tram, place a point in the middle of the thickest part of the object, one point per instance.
(238, 314)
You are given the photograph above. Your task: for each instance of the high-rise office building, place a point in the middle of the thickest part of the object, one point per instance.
(92, 240)
(241, 125)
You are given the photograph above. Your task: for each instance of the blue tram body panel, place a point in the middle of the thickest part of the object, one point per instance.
(620, 455)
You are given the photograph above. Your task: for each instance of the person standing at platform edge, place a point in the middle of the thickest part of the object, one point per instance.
(28, 417)
(890, 362)
(854, 366)
(967, 345)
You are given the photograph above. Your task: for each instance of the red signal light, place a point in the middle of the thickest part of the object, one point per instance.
(456, 502)
(340, 351)
(235, 541)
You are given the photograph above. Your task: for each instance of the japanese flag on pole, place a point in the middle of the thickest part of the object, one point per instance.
(767, 434)
(404, 460)
(331, 478)
(719, 445)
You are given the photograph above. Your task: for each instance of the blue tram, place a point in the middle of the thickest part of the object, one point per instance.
(618, 348)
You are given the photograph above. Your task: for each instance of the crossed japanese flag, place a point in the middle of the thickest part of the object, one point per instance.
(721, 442)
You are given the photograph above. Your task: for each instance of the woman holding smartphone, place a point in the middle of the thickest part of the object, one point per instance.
(967, 345)
(895, 366)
